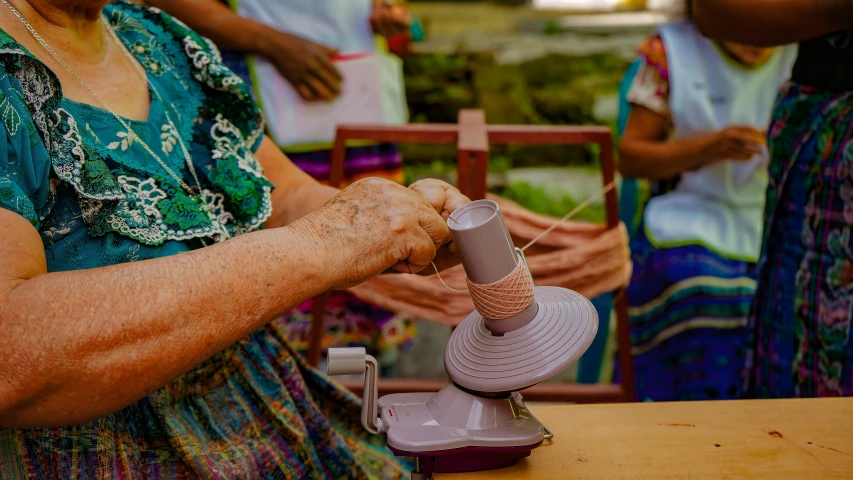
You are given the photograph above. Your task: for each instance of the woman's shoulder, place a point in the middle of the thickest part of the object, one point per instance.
(144, 19)
(160, 34)
(650, 85)
(162, 43)
(154, 27)
(151, 28)
(23, 75)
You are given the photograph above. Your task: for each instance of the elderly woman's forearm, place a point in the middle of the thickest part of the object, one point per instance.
(80, 345)
(771, 22)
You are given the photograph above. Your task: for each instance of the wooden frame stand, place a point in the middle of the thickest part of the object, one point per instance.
(472, 136)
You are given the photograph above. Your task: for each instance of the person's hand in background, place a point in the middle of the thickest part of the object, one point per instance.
(735, 143)
(646, 151)
(389, 19)
(307, 66)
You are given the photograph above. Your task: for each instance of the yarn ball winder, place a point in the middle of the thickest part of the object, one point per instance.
(479, 421)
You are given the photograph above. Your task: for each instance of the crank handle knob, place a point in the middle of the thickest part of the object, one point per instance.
(346, 361)
(356, 361)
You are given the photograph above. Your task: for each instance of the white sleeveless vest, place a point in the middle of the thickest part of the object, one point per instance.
(372, 89)
(719, 206)
(342, 24)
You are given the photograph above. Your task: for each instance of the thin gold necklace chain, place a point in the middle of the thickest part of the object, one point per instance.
(130, 131)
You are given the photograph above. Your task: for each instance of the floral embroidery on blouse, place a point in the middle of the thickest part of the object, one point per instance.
(650, 87)
(81, 156)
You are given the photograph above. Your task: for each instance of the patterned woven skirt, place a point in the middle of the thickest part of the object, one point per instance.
(253, 411)
(801, 338)
(688, 311)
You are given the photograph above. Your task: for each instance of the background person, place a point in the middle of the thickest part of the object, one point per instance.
(802, 342)
(696, 129)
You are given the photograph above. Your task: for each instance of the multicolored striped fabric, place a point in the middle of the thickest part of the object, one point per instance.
(253, 411)
(382, 160)
(802, 342)
(351, 322)
(688, 312)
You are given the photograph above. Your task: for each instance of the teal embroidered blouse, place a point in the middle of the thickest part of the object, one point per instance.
(97, 197)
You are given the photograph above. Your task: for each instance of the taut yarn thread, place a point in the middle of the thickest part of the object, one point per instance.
(510, 295)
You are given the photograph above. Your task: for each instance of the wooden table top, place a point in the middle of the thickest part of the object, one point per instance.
(754, 439)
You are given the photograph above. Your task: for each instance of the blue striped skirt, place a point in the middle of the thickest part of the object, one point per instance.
(688, 313)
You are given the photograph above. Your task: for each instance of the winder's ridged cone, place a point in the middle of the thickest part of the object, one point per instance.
(493, 351)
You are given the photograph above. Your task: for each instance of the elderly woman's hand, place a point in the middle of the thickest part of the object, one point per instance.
(375, 225)
(445, 199)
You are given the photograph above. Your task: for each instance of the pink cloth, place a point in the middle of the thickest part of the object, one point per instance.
(587, 258)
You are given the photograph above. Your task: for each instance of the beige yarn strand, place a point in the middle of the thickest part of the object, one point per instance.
(610, 186)
(512, 294)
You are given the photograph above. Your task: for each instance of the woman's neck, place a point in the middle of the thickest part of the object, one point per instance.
(72, 26)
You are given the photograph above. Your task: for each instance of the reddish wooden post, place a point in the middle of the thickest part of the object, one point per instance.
(472, 147)
(317, 330)
(339, 156)
(620, 300)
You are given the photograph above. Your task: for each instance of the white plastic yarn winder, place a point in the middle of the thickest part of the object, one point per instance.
(479, 421)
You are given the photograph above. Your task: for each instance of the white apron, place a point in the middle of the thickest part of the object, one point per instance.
(372, 90)
(720, 205)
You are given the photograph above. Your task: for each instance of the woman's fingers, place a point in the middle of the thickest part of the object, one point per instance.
(420, 244)
(453, 201)
(421, 252)
(749, 135)
(429, 219)
(432, 191)
(444, 198)
(326, 63)
(742, 143)
(323, 88)
(306, 93)
(327, 73)
(390, 20)
(436, 228)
